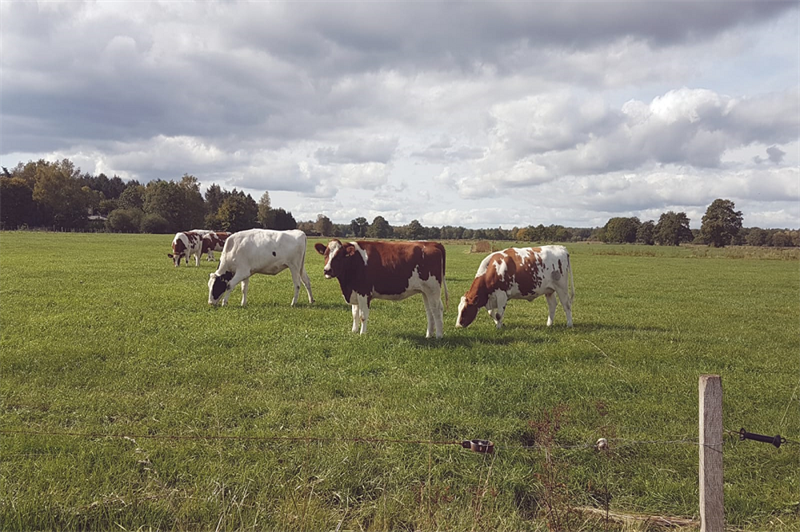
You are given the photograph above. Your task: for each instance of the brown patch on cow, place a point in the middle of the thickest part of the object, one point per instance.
(537, 250)
(178, 247)
(213, 242)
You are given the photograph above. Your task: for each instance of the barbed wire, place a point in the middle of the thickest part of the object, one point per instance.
(293, 439)
(481, 446)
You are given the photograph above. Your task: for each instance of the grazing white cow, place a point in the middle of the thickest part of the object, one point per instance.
(519, 273)
(184, 245)
(259, 251)
(388, 270)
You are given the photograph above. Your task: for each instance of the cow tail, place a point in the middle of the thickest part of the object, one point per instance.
(571, 281)
(303, 263)
(444, 281)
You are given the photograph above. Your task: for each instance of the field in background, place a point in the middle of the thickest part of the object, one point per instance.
(255, 418)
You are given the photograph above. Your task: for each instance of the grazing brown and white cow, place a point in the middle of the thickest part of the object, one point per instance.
(519, 273)
(388, 270)
(259, 251)
(184, 245)
(213, 242)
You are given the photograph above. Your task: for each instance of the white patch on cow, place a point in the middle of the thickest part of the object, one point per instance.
(461, 306)
(502, 268)
(484, 267)
(361, 251)
(525, 254)
(334, 247)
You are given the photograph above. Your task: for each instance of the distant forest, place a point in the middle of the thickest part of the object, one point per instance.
(57, 196)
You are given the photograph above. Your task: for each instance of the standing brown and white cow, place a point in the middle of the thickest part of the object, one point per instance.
(519, 273)
(388, 270)
(184, 245)
(213, 241)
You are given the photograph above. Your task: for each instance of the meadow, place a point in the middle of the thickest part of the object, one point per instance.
(129, 403)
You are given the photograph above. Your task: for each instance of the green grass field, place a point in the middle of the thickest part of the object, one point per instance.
(129, 403)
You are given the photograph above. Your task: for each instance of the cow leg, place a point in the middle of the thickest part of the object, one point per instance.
(428, 314)
(438, 313)
(502, 300)
(551, 306)
(245, 285)
(356, 320)
(363, 308)
(307, 284)
(296, 283)
(566, 303)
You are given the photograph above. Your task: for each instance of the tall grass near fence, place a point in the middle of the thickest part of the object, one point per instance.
(128, 402)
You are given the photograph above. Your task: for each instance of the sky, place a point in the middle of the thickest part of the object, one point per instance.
(472, 113)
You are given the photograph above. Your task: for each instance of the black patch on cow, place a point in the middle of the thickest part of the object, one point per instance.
(221, 285)
(274, 254)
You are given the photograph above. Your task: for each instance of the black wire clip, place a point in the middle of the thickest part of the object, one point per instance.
(774, 440)
(478, 446)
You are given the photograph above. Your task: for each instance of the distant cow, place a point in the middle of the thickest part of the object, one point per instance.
(259, 251)
(388, 270)
(184, 245)
(213, 242)
(519, 273)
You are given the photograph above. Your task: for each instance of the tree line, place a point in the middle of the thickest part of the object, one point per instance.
(57, 195)
(721, 226)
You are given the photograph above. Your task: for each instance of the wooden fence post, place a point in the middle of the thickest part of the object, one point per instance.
(712, 513)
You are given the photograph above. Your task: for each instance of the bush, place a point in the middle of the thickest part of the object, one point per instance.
(124, 220)
(154, 224)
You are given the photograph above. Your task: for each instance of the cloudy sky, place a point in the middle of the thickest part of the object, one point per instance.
(472, 113)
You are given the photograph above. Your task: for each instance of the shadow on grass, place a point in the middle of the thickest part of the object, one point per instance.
(601, 326)
(462, 339)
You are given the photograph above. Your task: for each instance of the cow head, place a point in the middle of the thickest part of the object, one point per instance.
(218, 286)
(336, 255)
(467, 311)
(180, 249)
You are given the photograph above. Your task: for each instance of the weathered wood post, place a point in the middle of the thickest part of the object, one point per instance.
(712, 513)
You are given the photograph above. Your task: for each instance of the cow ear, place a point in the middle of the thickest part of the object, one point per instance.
(350, 250)
(169, 255)
(320, 248)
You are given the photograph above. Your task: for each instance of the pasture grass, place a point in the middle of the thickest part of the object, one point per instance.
(128, 402)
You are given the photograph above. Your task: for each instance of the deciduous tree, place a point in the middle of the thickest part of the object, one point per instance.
(324, 226)
(359, 227)
(16, 202)
(721, 223)
(238, 212)
(379, 228)
(264, 208)
(621, 230)
(672, 229)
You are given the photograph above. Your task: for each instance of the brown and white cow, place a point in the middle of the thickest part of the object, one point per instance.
(184, 245)
(259, 251)
(388, 270)
(519, 273)
(213, 242)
